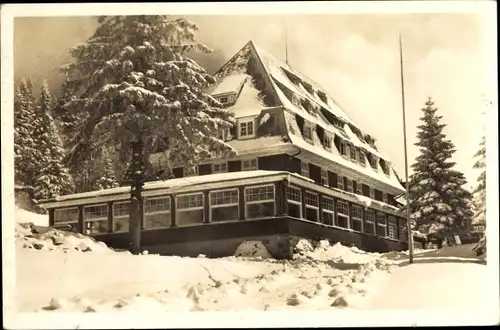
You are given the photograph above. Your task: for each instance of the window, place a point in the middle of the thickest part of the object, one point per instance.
(219, 168)
(393, 227)
(312, 206)
(342, 214)
(327, 141)
(121, 216)
(294, 202)
(352, 153)
(308, 132)
(340, 182)
(324, 177)
(223, 99)
(362, 159)
(349, 185)
(190, 171)
(328, 210)
(67, 217)
(224, 205)
(381, 224)
(357, 218)
(223, 134)
(359, 188)
(369, 222)
(95, 219)
(372, 193)
(259, 202)
(189, 209)
(249, 164)
(304, 169)
(157, 212)
(384, 197)
(373, 163)
(247, 128)
(403, 231)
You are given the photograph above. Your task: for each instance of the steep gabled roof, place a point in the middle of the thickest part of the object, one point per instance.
(301, 96)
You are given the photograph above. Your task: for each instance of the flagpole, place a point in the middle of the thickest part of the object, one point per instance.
(408, 220)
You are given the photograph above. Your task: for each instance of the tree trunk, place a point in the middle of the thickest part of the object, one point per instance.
(136, 197)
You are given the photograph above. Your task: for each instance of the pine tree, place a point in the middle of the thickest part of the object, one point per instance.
(52, 178)
(480, 189)
(108, 178)
(67, 119)
(438, 200)
(25, 151)
(141, 93)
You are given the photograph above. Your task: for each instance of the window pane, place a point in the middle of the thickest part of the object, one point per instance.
(311, 199)
(189, 217)
(327, 204)
(96, 227)
(342, 208)
(357, 212)
(312, 214)
(121, 224)
(370, 228)
(225, 213)
(342, 221)
(328, 218)
(95, 212)
(262, 193)
(157, 205)
(121, 209)
(190, 201)
(294, 210)
(293, 194)
(357, 225)
(260, 210)
(158, 220)
(66, 215)
(224, 197)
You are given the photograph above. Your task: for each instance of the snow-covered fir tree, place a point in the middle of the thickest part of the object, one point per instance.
(52, 177)
(107, 179)
(138, 85)
(25, 151)
(438, 200)
(480, 189)
(67, 119)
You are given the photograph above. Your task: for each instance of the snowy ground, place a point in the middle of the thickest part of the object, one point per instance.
(72, 273)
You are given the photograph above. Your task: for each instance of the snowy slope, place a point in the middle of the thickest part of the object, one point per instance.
(24, 216)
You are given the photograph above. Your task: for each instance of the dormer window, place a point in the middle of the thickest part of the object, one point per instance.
(327, 141)
(322, 97)
(246, 128)
(308, 132)
(304, 169)
(249, 164)
(224, 99)
(352, 153)
(223, 134)
(361, 158)
(385, 167)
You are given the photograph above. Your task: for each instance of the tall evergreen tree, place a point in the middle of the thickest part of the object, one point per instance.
(438, 200)
(108, 178)
(25, 151)
(67, 119)
(480, 189)
(141, 93)
(52, 178)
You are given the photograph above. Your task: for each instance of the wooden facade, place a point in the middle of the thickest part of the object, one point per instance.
(271, 207)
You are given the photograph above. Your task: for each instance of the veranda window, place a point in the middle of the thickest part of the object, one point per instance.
(357, 218)
(328, 210)
(157, 212)
(312, 206)
(342, 214)
(67, 217)
(95, 219)
(121, 216)
(189, 209)
(224, 205)
(294, 202)
(259, 202)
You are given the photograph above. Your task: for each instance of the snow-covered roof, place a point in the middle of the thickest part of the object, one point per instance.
(248, 102)
(230, 84)
(334, 156)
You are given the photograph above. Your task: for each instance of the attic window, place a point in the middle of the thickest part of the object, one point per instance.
(306, 104)
(361, 159)
(340, 145)
(293, 78)
(308, 88)
(308, 132)
(352, 153)
(327, 141)
(338, 123)
(373, 161)
(322, 97)
(246, 128)
(223, 99)
(385, 166)
(223, 134)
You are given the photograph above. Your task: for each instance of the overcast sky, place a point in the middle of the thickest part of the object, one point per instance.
(354, 57)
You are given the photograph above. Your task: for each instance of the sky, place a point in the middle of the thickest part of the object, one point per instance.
(354, 57)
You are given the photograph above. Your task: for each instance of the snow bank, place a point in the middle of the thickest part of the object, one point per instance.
(30, 236)
(24, 216)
